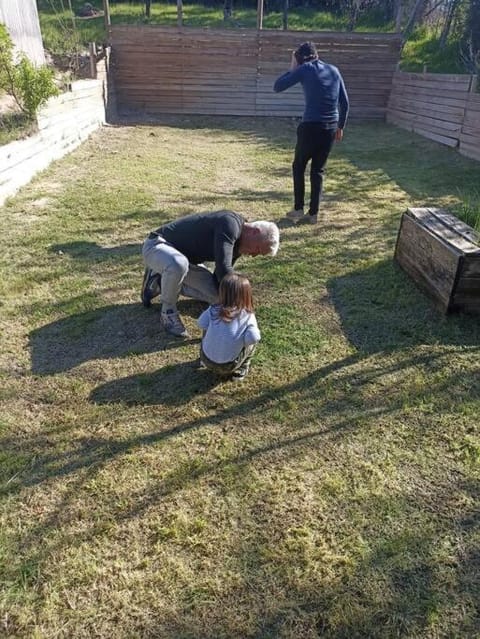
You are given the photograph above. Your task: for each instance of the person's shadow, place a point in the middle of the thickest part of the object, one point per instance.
(119, 330)
(174, 384)
(92, 252)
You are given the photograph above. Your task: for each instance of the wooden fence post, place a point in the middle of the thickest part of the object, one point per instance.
(285, 15)
(106, 14)
(92, 53)
(179, 13)
(260, 14)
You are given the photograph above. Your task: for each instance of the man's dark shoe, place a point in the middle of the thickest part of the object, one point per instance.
(151, 286)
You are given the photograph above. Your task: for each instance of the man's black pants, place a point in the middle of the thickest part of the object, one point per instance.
(314, 142)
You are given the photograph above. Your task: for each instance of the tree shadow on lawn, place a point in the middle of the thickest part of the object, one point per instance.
(322, 416)
(424, 169)
(381, 309)
(120, 330)
(395, 583)
(396, 589)
(400, 572)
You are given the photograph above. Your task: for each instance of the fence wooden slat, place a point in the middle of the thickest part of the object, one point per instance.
(200, 78)
(437, 106)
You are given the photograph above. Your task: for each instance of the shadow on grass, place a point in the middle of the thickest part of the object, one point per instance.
(173, 385)
(399, 582)
(395, 583)
(393, 589)
(382, 310)
(93, 252)
(113, 331)
(424, 169)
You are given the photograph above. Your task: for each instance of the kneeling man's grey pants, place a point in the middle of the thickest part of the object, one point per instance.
(178, 275)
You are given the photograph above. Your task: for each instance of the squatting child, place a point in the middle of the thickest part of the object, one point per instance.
(230, 330)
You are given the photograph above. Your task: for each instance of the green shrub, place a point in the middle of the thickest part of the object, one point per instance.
(33, 86)
(28, 85)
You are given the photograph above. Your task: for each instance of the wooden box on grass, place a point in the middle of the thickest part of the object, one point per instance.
(442, 255)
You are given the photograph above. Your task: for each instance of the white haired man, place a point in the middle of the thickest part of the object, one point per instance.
(175, 252)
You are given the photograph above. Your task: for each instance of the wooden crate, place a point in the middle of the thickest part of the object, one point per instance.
(442, 255)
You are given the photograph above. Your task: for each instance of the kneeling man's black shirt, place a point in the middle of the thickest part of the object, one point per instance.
(207, 237)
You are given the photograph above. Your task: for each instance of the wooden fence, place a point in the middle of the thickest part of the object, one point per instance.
(441, 107)
(63, 123)
(470, 134)
(205, 71)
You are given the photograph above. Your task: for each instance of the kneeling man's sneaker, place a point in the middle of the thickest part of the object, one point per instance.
(295, 215)
(173, 324)
(312, 219)
(150, 286)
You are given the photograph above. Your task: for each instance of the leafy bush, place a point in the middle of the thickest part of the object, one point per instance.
(28, 85)
(33, 86)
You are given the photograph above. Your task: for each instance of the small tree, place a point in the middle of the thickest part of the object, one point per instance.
(29, 86)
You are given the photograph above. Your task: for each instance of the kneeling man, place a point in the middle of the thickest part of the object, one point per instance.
(175, 252)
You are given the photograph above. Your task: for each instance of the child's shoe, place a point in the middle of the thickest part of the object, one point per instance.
(241, 372)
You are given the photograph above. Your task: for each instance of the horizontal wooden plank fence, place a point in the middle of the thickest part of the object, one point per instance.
(470, 134)
(162, 70)
(64, 122)
(441, 107)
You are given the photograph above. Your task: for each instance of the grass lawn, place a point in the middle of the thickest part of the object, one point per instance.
(334, 493)
(62, 34)
(57, 26)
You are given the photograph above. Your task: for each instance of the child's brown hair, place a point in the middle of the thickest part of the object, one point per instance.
(235, 295)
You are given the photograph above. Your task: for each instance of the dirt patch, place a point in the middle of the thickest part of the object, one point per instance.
(7, 104)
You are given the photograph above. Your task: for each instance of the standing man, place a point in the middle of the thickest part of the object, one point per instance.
(324, 118)
(174, 256)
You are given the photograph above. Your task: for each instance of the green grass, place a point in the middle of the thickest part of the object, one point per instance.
(421, 51)
(14, 126)
(334, 493)
(56, 23)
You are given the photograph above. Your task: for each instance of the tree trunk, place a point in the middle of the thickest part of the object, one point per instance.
(227, 9)
(471, 39)
(285, 15)
(354, 11)
(474, 23)
(147, 7)
(259, 14)
(179, 14)
(452, 9)
(415, 14)
(398, 15)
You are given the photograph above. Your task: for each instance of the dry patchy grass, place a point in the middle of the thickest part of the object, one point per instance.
(333, 494)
